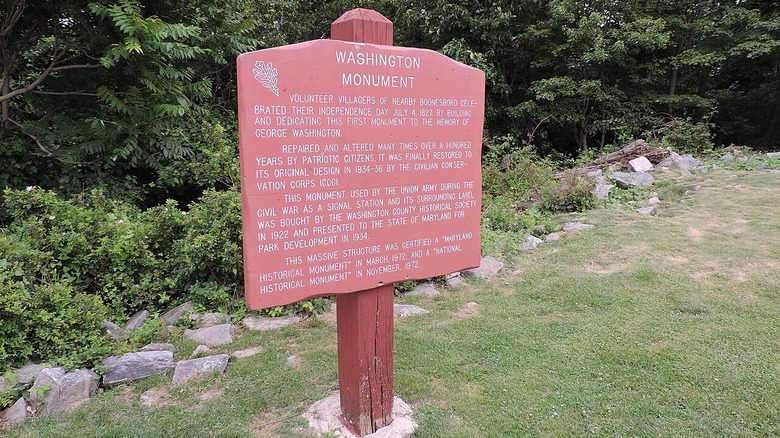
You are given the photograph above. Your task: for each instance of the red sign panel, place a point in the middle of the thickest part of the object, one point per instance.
(360, 166)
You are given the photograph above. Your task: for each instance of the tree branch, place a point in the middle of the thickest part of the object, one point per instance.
(14, 13)
(48, 152)
(45, 74)
(65, 93)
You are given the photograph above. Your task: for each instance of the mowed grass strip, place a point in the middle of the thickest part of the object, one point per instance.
(646, 326)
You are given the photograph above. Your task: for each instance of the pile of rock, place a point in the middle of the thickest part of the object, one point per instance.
(56, 390)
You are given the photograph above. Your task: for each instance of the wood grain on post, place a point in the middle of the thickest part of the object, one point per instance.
(364, 319)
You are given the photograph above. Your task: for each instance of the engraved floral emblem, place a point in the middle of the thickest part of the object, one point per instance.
(266, 74)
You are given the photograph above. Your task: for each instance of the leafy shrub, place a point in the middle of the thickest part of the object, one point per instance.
(209, 253)
(573, 192)
(683, 136)
(96, 245)
(40, 320)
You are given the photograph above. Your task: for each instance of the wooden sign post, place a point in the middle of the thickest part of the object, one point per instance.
(364, 320)
(360, 167)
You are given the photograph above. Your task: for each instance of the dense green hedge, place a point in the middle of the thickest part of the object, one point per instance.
(69, 264)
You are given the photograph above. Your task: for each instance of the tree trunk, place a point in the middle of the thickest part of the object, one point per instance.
(771, 137)
(672, 90)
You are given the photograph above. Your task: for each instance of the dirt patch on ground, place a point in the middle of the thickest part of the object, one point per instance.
(677, 259)
(156, 398)
(600, 269)
(695, 234)
(469, 310)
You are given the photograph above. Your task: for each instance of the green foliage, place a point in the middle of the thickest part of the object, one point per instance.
(209, 254)
(573, 192)
(94, 244)
(41, 321)
(683, 136)
(152, 330)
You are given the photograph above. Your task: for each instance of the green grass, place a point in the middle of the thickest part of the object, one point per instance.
(645, 326)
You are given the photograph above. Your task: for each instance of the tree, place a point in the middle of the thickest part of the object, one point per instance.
(110, 93)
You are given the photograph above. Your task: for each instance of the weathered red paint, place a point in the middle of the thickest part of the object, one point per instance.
(409, 208)
(365, 319)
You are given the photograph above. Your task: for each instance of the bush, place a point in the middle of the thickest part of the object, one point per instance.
(96, 245)
(45, 320)
(683, 136)
(573, 192)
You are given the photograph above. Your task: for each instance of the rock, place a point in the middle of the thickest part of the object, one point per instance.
(211, 319)
(488, 268)
(423, 290)
(654, 201)
(212, 336)
(112, 330)
(531, 242)
(728, 156)
(602, 188)
(173, 316)
(553, 237)
(200, 350)
(404, 310)
(668, 161)
(684, 163)
(248, 352)
(135, 321)
(263, 323)
(134, 366)
(28, 373)
(294, 361)
(627, 180)
(16, 414)
(773, 155)
(324, 419)
(189, 369)
(454, 279)
(577, 226)
(646, 210)
(66, 390)
(640, 164)
(159, 347)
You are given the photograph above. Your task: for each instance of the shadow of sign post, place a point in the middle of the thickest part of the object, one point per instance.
(360, 167)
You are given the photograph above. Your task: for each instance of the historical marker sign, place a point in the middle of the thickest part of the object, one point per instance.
(360, 166)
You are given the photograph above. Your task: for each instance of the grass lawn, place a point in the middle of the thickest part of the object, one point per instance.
(646, 326)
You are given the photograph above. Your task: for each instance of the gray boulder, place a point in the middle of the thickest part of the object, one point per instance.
(650, 211)
(134, 366)
(173, 316)
(210, 320)
(16, 414)
(653, 201)
(112, 330)
(627, 180)
(427, 289)
(530, 243)
(454, 279)
(262, 323)
(135, 321)
(404, 310)
(189, 369)
(553, 237)
(159, 347)
(640, 164)
(212, 336)
(488, 268)
(66, 391)
(577, 226)
(773, 155)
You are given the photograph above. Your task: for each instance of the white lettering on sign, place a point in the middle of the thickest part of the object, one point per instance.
(353, 176)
